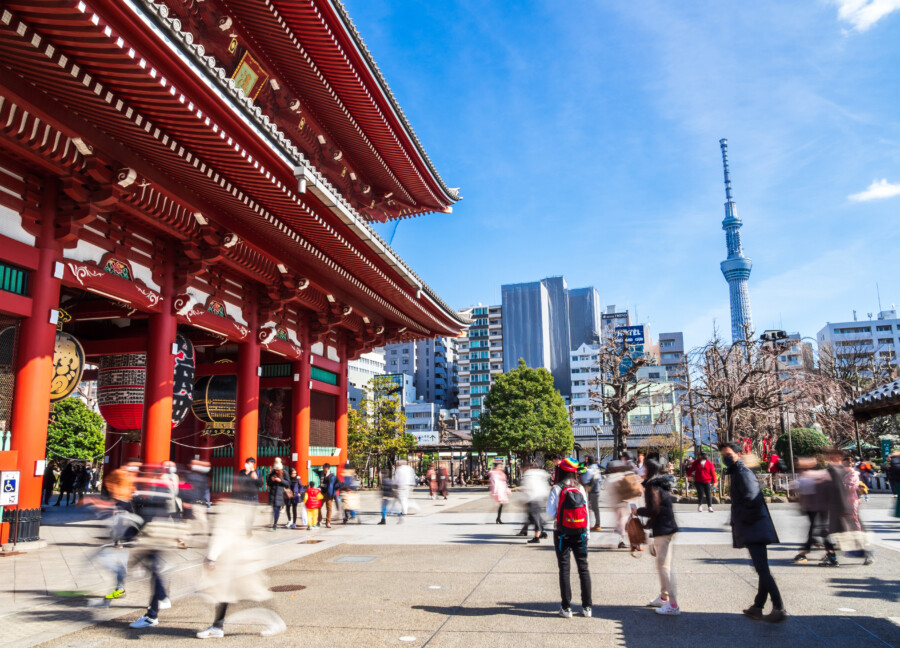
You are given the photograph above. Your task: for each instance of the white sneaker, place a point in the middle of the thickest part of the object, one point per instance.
(712, 510)
(668, 609)
(144, 622)
(657, 602)
(586, 612)
(565, 613)
(212, 632)
(699, 509)
(164, 604)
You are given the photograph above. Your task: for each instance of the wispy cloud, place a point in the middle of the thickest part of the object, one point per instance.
(862, 14)
(878, 190)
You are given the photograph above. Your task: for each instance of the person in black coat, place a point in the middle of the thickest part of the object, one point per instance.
(752, 527)
(659, 510)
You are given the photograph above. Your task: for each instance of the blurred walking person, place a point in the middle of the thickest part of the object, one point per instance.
(155, 495)
(567, 505)
(431, 479)
(752, 528)
(811, 487)
(350, 495)
(592, 479)
(623, 488)
(852, 485)
(404, 481)
(388, 494)
(246, 488)
(235, 572)
(498, 487)
(196, 497)
(443, 481)
(661, 522)
(329, 487)
(536, 485)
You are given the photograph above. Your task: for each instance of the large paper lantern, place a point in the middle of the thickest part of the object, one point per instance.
(68, 366)
(183, 387)
(120, 390)
(120, 386)
(215, 403)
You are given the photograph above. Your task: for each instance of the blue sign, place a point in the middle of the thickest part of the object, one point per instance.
(9, 487)
(630, 334)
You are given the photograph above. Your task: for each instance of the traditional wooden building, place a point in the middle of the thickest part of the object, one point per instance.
(186, 192)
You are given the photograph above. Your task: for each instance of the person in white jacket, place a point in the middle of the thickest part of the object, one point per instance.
(536, 487)
(405, 478)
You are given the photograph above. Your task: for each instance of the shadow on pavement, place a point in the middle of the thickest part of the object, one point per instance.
(872, 587)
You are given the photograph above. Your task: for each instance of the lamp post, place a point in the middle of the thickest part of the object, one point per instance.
(780, 342)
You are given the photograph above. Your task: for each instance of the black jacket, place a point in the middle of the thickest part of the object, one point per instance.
(276, 488)
(657, 493)
(247, 487)
(750, 519)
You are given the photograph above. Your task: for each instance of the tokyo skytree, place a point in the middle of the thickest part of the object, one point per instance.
(736, 267)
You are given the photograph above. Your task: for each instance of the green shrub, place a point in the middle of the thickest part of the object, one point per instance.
(807, 442)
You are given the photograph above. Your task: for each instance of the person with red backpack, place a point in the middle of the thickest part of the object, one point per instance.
(567, 504)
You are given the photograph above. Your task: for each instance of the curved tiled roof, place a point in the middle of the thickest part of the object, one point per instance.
(885, 396)
(350, 26)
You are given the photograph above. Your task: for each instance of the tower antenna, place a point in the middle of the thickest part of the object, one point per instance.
(736, 267)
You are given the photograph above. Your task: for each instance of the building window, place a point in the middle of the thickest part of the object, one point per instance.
(665, 344)
(853, 330)
(883, 328)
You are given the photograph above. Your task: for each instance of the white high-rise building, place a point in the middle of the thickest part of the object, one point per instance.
(867, 343)
(480, 359)
(361, 371)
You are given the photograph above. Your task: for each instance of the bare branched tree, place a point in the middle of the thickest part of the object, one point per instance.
(738, 386)
(617, 389)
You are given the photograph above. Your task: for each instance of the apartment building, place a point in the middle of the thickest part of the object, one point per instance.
(867, 343)
(361, 371)
(671, 353)
(432, 365)
(480, 358)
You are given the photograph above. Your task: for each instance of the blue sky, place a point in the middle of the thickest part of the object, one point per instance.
(584, 137)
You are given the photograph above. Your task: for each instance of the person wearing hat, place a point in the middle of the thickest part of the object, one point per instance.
(567, 505)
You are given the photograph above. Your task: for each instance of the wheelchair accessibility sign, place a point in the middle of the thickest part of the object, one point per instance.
(9, 487)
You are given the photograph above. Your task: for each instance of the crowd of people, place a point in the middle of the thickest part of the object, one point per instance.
(155, 509)
(73, 478)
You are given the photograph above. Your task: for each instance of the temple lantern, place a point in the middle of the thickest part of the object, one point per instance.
(183, 387)
(120, 390)
(121, 380)
(215, 403)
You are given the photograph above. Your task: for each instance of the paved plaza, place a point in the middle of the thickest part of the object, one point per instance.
(449, 576)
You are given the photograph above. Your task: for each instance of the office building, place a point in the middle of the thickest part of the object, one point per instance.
(480, 359)
(538, 325)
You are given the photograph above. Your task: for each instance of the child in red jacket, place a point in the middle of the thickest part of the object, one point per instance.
(703, 472)
(313, 499)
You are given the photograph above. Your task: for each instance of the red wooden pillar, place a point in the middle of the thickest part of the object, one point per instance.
(157, 435)
(247, 429)
(300, 404)
(341, 431)
(37, 340)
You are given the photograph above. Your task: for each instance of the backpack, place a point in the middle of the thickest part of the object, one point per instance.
(629, 487)
(572, 513)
